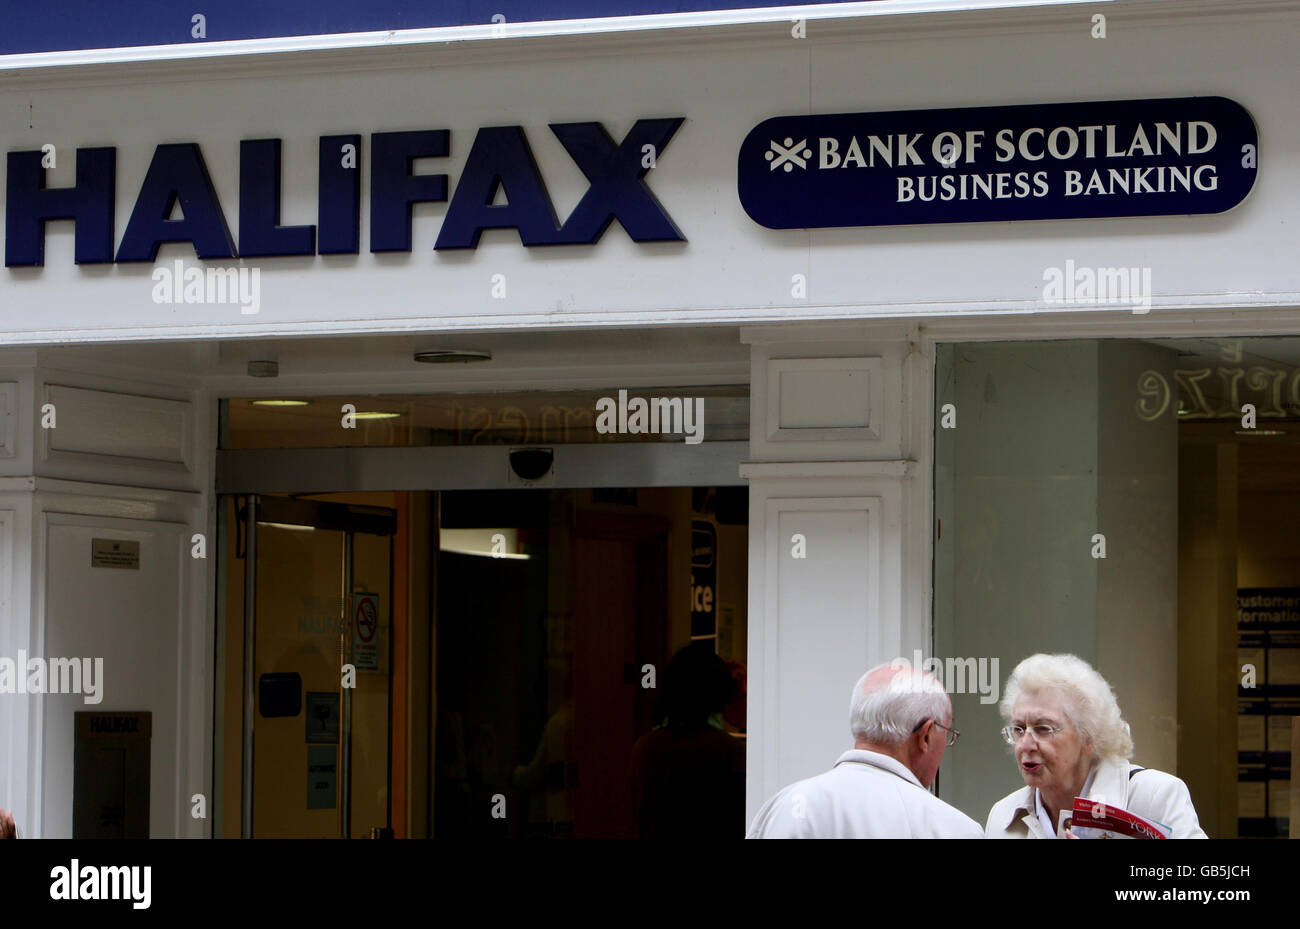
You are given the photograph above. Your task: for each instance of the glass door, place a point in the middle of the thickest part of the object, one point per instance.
(315, 716)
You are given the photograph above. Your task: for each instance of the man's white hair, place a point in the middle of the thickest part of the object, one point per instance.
(1090, 703)
(888, 714)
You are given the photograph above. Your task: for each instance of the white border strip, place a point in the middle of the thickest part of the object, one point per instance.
(548, 28)
(721, 316)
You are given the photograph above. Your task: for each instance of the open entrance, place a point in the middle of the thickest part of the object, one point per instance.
(541, 661)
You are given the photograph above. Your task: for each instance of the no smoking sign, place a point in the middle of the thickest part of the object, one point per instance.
(365, 631)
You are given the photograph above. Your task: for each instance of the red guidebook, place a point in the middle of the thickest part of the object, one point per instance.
(1092, 819)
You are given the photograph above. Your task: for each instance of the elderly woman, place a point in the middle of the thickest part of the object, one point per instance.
(1069, 740)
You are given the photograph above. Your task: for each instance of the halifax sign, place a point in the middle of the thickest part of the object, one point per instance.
(989, 164)
(499, 162)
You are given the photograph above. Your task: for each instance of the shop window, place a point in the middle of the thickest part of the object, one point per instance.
(1133, 503)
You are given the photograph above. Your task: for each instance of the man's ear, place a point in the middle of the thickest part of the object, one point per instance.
(924, 734)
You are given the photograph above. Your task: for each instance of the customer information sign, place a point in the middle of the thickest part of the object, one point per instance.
(989, 164)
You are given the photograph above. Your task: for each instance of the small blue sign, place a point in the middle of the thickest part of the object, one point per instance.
(1177, 156)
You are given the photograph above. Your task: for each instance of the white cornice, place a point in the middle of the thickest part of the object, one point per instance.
(1281, 309)
(881, 19)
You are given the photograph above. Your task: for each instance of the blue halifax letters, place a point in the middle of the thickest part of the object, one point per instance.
(499, 162)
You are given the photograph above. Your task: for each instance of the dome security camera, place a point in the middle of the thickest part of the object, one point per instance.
(531, 464)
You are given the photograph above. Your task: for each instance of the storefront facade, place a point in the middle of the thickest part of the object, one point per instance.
(574, 205)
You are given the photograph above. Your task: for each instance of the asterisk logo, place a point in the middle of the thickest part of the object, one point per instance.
(788, 155)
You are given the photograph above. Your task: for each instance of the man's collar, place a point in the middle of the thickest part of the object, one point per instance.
(878, 760)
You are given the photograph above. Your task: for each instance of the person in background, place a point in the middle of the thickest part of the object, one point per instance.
(688, 773)
(8, 830)
(901, 722)
(1069, 740)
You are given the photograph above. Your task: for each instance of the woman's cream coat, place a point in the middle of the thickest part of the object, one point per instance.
(1149, 793)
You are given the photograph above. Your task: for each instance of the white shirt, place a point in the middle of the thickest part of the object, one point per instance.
(866, 795)
(1149, 793)
(1049, 827)
(1044, 821)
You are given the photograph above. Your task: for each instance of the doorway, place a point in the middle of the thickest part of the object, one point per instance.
(308, 709)
(508, 645)
(558, 615)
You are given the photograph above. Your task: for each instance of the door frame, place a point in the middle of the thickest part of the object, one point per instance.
(477, 467)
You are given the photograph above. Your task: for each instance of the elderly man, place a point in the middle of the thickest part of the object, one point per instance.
(901, 721)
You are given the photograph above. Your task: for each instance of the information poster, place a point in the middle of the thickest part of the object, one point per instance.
(1268, 698)
(704, 579)
(322, 777)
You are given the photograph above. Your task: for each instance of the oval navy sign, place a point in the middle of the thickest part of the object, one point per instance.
(996, 164)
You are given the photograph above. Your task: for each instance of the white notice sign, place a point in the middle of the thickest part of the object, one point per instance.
(365, 631)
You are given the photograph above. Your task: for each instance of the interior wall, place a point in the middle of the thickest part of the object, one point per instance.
(731, 589)
(1207, 633)
(1137, 582)
(672, 503)
(1016, 498)
(1268, 513)
(1050, 450)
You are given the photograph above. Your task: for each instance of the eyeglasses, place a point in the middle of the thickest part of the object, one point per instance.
(953, 734)
(1040, 733)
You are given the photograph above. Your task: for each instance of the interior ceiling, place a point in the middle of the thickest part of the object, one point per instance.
(1274, 352)
(465, 414)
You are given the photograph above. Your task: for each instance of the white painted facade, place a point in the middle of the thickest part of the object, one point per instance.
(841, 445)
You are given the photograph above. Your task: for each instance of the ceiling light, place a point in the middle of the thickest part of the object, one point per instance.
(518, 556)
(280, 402)
(377, 414)
(441, 356)
(263, 369)
(1261, 432)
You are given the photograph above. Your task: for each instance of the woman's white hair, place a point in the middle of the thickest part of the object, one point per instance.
(1090, 702)
(887, 714)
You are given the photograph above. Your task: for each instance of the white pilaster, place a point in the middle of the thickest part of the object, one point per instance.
(123, 458)
(839, 533)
